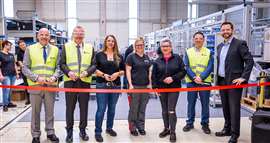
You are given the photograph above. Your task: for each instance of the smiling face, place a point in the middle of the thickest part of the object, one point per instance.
(78, 35)
(43, 36)
(166, 48)
(22, 45)
(198, 40)
(8, 47)
(110, 43)
(226, 31)
(139, 47)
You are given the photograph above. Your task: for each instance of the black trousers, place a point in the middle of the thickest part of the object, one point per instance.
(136, 115)
(71, 100)
(230, 100)
(168, 103)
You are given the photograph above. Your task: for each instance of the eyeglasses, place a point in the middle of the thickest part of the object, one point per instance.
(165, 46)
(78, 33)
(140, 45)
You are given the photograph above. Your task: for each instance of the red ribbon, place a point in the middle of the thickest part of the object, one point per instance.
(55, 89)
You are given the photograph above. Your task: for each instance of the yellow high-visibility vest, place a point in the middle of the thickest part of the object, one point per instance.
(72, 60)
(37, 62)
(198, 62)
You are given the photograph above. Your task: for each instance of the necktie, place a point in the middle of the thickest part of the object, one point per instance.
(44, 54)
(79, 56)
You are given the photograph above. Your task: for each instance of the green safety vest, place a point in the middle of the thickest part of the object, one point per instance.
(37, 62)
(198, 62)
(72, 60)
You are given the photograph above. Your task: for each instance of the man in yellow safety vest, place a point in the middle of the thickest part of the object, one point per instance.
(40, 68)
(199, 65)
(78, 64)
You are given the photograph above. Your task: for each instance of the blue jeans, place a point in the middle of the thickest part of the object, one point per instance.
(192, 98)
(104, 100)
(9, 80)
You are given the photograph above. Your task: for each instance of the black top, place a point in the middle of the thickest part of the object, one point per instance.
(128, 51)
(108, 67)
(174, 68)
(139, 68)
(7, 64)
(20, 54)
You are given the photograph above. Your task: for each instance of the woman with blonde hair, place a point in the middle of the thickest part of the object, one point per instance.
(110, 66)
(139, 77)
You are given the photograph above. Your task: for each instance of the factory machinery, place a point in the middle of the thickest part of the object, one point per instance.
(248, 26)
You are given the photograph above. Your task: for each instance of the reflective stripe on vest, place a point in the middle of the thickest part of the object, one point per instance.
(198, 62)
(72, 60)
(37, 62)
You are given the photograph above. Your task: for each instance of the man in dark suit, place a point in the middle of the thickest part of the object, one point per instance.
(234, 67)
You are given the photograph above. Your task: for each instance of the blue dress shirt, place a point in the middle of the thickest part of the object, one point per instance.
(222, 57)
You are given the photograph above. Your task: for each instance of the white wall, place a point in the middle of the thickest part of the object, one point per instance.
(117, 13)
(52, 11)
(88, 17)
(24, 5)
(150, 16)
(116, 21)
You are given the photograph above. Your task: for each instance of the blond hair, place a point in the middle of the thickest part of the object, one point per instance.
(136, 41)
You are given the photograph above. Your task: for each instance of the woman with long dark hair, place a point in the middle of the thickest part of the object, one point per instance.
(110, 66)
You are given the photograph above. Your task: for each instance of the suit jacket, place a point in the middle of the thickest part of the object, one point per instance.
(238, 62)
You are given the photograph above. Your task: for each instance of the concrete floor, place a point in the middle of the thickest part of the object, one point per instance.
(19, 132)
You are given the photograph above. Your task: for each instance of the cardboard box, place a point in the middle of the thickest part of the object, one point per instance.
(18, 95)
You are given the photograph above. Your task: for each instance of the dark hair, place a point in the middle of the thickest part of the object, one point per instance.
(20, 41)
(6, 42)
(198, 32)
(227, 23)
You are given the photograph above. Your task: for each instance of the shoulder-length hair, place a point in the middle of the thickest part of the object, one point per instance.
(116, 55)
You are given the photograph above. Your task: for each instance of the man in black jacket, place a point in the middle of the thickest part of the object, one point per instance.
(234, 67)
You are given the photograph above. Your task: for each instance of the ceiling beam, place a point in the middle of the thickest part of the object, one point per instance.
(220, 2)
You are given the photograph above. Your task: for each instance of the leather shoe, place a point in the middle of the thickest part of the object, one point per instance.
(27, 102)
(99, 138)
(223, 133)
(188, 127)
(11, 105)
(142, 132)
(53, 138)
(164, 133)
(134, 133)
(84, 135)
(206, 129)
(111, 132)
(5, 108)
(233, 139)
(36, 140)
(172, 137)
(69, 137)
